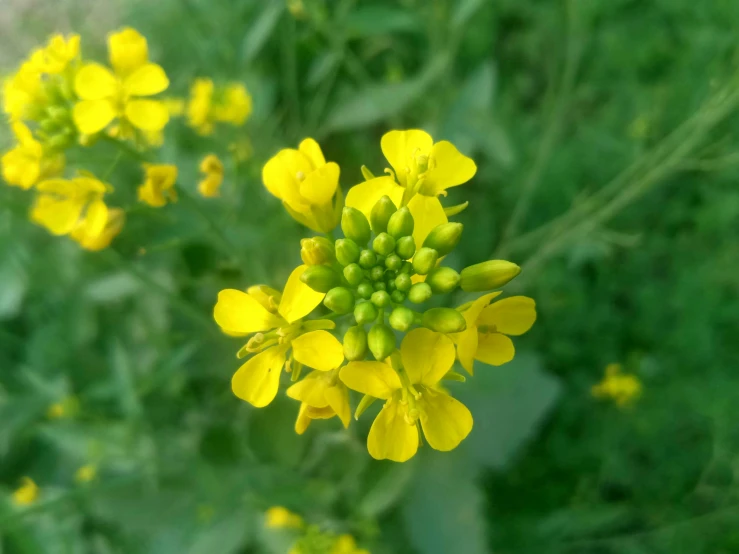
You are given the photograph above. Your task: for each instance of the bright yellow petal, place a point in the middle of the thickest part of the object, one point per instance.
(427, 356)
(374, 378)
(91, 116)
(401, 147)
(282, 175)
(447, 168)
(311, 390)
(148, 115)
(391, 437)
(95, 82)
(338, 398)
(445, 420)
(319, 350)
(96, 217)
(427, 213)
(237, 313)
(312, 151)
(467, 339)
(258, 379)
(303, 421)
(510, 316)
(60, 217)
(298, 299)
(319, 186)
(147, 80)
(494, 349)
(364, 195)
(127, 50)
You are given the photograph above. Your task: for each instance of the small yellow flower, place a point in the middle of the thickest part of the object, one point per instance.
(279, 517)
(62, 204)
(86, 473)
(410, 388)
(22, 164)
(91, 236)
(200, 105)
(322, 396)
(212, 168)
(23, 93)
(623, 388)
(208, 105)
(158, 188)
(345, 544)
(107, 95)
(307, 185)
(27, 493)
(57, 54)
(235, 105)
(489, 326)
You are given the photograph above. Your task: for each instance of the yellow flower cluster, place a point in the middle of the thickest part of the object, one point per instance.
(396, 233)
(623, 388)
(209, 105)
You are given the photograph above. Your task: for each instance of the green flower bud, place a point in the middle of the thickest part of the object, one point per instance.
(419, 293)
(444, 320)
(442, 280)
(316, 251)
(367, 259)
(380, 298)
(381, 212)
(321, 278)
(443, 238)
(376, 273)
(393, 262)
(401, 223)
(339, 300)
(355, 226)
(406, 268)
(380, 285)
(402, 318)
(355, 343)
(397, 296)
(425, 260)
(405, 247)
(50, 125)
(365, 312)
(403, 282)
(389, 284)
(365, 290)
(489, 275)
(353, 274)
(347, 251)
(383, 244)
(381, 341)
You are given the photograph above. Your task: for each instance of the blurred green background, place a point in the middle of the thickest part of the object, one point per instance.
(606, 139)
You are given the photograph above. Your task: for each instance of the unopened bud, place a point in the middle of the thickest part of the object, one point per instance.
(488, 275)
(419, 293)
(367, 259)
(401, 318)
(353, 274)
(355, 343)
(380, 214)
(381, 341)
(316, 251)
(355, 226)
(393, 262)
(403, 282)
(380, 285)
(444, 320)
(321, 278)
(443, 238)
(405, 247)
(383, 244)
(376, 273)
(425, 260)
(339, 300)
(380, 298)
(442, 280)
(365, 290)
(365, 312)
(347, 251)
(397, 296)
(401, 223)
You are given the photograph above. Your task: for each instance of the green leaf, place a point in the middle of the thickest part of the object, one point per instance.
(260, 31)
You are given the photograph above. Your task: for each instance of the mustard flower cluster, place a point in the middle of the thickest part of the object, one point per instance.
(310, 538)
(372, 288)
(624, 389)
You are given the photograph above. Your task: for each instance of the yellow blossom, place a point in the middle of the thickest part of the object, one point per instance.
(306, 184)
(208, 105)
(62, 204)
(158, 187)
(235, 105)
(322, 396)
(200, 105)
(623, 388)
(57, 54)
(23, 93)
(107, 95)
(489, 326)
(410, 388)
(345, 544)
(279, 517)
(212, 169)
(86, 473)
(91, 236)
(22, 164)
(27, 493)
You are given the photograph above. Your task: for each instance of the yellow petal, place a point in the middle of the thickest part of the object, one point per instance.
(391, 437)
(494, 349)
(19, 169)
(319, 186)
(60, 217)
(237, 313)
(467, 339)
(448, 168)
(258, 379)
(303, 421)
(445, 420)
(96, 217)
(147, 80)
(282, 175)
(312, 151)
(95, 82)
(91, 116)
(364, 195)
(298, 299)
(23, 134)
(311, 390)
(319, 350)
(338, 398)
(127, 50)
(510, 316)
(148, 115)
(401, 147)
(373, 378)
(427, 213)
(427, 356)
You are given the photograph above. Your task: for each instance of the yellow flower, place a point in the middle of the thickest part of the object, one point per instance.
(423, 170)
(58, 53)
(624, 389)
(23, 93)
(212, 168)
(27, 493)
(279, 517)
(107, 95)
(92, 236)
(412, 394)
(277, 323)
(86, 473)
(322, 396)
(199, 106)
(207, 105)
(158, 187)
(345, 544)
(486, 337)
(306, 184)
(61, 205)
(235, 105)
(22, 164)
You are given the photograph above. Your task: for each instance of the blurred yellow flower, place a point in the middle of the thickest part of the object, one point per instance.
(208, 105)
(235, 105)
(57, 54)
(22, 164)
(623, 388)
(322, 396)
(199, 106)
(279, 517)
(158, 187)
(107, 95)
(345, 544)
(489, 326)
(27, 493)
(307, 185)
(91, 236)
(61, 204)
(23, 94)
(212, 168)
(410, 388)
(86, 473)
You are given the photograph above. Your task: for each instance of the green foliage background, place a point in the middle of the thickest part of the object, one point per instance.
(554, 100)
